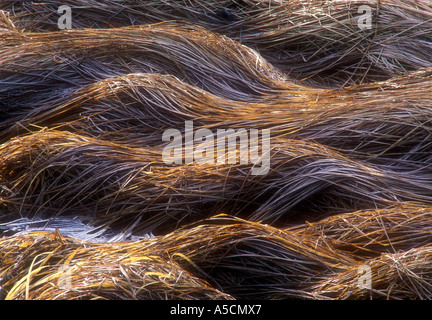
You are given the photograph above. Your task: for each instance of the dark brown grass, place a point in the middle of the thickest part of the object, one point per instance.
(43, 65)
(405, 275)
(384, 123)
(82, 114)
(48, 266)
(252, 260)
(245, 259)
(55, 172)
(314, 41)
(370, 233)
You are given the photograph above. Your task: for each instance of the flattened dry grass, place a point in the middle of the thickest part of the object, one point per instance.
(319, 42)
(384, 122)
(370, 233)
(246, 260)
(42, 265)
(81, 117)
(404, 275)
(52, 173)
(35, 65)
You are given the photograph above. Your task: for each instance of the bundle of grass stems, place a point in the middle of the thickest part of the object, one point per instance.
(249, 260)
(46, 266)
(52, 173)
(383, 123)
(83, 111)
(35, 64)
(242, 258)
(367, 234)
(320, 42)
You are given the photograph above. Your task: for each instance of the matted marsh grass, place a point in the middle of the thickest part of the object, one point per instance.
(82, 113)
(34, 65)
(49, 173)
(42, 265)
(384, 122)
(319, 42)
(249, 260)
(245, 259)
(404, 275)
(366, 234)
